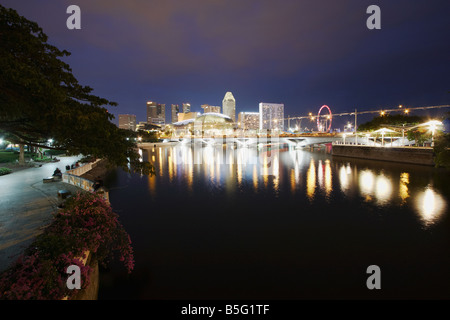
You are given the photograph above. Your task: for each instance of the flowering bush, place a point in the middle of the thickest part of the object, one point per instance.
(86, 223)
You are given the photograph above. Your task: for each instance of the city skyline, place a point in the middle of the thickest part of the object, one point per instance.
(323, 53)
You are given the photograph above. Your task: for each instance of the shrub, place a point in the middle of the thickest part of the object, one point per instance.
(4, 171)
(87, 222)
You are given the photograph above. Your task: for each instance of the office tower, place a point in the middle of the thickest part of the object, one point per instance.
(156, 113)
(229, 106)
(186, 107)
(248, 120)
(271, 116)
(208, 109)
(175, 111)
(127, 121)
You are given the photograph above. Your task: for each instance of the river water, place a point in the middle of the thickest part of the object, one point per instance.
(284, 224)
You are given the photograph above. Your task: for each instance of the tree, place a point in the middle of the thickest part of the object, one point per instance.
(40, 99)
(390, 120)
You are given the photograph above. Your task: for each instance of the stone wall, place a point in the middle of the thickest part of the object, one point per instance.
(414, 155)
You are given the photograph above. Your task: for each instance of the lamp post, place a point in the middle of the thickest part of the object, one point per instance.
(433, 130)
(432, 125)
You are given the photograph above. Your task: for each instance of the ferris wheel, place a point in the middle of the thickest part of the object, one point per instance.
(322, 124)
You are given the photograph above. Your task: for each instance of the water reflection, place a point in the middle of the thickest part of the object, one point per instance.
(430, 205)
(311, 180)
(328, 178)
(383, 189)
(344, 177)
(303, 172)
(366, 184)
(404, 182)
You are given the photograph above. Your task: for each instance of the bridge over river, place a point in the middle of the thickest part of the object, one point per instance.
(252, 141)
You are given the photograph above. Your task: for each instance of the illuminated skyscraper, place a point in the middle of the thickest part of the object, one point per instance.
(248, 120)
(186, 107)
(229, 106)
(175, 110)
(127, 121)
(156, 113)
(271, 116)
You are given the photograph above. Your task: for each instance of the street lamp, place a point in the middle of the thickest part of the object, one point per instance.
(432, 125)
(349, 126)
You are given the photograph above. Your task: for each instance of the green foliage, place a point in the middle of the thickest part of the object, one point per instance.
(38, 158)
(148, 136)
(41, 99)
(390, 120)
(4, 171)
(420, 135)
(442, 150)
(8, 156)
(55, 152)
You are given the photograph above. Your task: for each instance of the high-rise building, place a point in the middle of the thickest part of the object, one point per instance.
(271, 116)
(156, 113)
(248, 120)
(208, 109)
(186, 107)
(127, 121)
(175, 111)
(229, 106)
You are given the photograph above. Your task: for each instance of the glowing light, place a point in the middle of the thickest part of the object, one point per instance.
(383, 189)
(431, 206)
(382, 113)
(292, 181)
(366, 182)
(328, 178)
(344, 177)
(406, 111)
(404, 181)
(311, 180)
(320, 174)
(255, 178)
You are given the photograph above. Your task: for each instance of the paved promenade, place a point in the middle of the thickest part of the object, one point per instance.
(26, 207)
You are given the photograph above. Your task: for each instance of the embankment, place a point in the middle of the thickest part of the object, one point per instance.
(413, 155)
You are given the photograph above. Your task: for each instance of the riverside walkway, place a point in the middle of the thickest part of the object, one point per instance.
(26, 206)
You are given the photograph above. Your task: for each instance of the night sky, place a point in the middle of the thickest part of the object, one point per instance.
(300, 53)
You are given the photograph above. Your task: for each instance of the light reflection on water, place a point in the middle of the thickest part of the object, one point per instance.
(233, 169)
(252, 223)
(430, 205)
